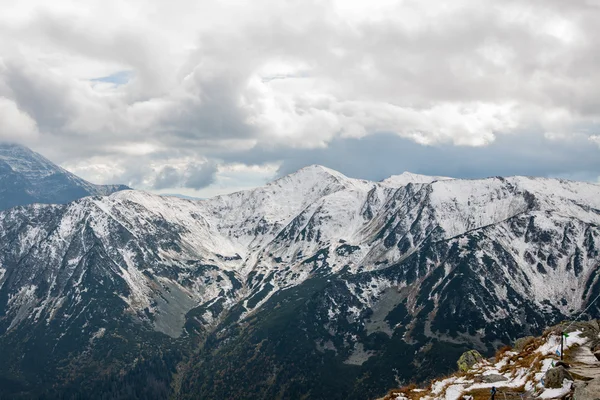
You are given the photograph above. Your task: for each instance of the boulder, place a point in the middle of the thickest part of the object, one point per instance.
(555, 377)
(521, 343)
(468, 359)
(493, 378)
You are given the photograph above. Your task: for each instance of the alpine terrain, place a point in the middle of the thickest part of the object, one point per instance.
(531, 369)
(314, 286)
(27, 177)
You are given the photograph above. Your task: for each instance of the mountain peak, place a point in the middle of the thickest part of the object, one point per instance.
(28, 177)
(319, 169)
(312, 174)
(318, 173)
(9, 145)
(25, 161)
(326, 178)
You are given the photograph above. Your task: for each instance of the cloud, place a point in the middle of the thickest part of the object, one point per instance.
(527, 153)
(193, 176)
(168, 177)
(200, 175)
(16, 125)
(166, 96)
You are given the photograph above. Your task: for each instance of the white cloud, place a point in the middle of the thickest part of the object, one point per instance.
(16, 125)
(207, 78)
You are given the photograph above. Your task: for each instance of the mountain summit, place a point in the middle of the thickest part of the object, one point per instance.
(27, 177)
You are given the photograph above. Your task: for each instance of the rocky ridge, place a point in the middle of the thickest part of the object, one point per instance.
(533, 369)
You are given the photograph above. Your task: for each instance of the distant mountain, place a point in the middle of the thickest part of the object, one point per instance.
(314, 286)
(27, 177)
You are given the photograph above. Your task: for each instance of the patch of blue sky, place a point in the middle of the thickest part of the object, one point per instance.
(118, 78)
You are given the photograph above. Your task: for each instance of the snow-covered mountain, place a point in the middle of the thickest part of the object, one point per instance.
(27, 177)
(334, 279)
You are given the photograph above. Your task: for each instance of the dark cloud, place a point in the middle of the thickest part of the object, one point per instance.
(46, 100)
(200, 175)
(379, 156)
(168, 177)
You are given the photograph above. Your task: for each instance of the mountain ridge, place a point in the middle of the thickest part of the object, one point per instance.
(322, 269)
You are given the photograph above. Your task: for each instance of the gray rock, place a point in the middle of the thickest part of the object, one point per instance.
(468, 359)
(587, 391)
(555, 376)
(493, 378)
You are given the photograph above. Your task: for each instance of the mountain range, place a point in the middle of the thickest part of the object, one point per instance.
(27, 177)
(314, 286)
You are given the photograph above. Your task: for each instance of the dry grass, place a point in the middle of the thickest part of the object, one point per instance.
(527, 358)
(501, 352)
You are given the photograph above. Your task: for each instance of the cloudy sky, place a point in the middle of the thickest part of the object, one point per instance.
(204, 97)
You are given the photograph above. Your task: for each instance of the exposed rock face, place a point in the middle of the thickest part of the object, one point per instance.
(555, 377)
(587, 390)
(493, 378)
(468, 359)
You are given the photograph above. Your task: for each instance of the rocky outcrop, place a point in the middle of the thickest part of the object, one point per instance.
(468, 359)
(516, 374)
(555, 377)
(587, 390)
(493, 378)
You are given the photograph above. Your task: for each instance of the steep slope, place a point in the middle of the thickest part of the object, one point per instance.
(26, 177)
(314, 285)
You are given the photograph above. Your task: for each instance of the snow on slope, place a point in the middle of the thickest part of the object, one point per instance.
(516, 373)
(26, 162)
(271, 232)
(407, 177)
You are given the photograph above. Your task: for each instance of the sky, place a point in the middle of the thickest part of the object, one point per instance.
(209, 97)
